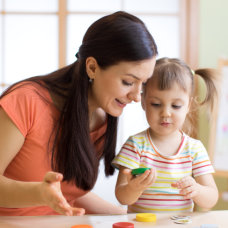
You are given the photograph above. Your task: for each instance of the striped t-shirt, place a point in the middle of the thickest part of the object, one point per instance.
(190, 160)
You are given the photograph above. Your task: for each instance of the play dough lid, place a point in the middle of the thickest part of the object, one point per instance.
(146, 217)
(138, 171)
(123, 225)
(82, 226)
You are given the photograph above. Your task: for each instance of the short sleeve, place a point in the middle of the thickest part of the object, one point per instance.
(201, 162)
(129, 155)
(21, 105)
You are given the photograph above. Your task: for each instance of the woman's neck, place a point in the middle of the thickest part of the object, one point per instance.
(96, 119)
(97, 115)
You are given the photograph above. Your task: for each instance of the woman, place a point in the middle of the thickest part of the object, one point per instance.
(56, 128)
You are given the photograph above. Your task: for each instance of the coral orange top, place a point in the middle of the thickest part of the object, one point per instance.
(34, 116)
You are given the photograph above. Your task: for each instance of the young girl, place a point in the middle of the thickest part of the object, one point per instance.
(181, 172)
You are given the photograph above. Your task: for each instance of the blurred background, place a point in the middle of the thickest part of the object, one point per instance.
(40, 36)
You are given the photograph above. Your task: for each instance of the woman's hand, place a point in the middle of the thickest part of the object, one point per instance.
(140, 182)
(52, 196)
(189, 188)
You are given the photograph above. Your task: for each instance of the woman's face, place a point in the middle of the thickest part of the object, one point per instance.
(118, 85)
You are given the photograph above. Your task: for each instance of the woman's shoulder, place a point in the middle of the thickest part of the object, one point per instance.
(26, 95)
(29, 89)
(27, 86)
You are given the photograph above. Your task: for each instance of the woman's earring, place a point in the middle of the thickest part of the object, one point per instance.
(90, 80)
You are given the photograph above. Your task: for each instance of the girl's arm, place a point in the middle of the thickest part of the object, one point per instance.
(19, 194)
(202, 190)
(130, 188)
(93, 204)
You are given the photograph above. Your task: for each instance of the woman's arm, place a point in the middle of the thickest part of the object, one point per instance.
(130, 188)
(93, 204)
(202, 190)
(20, 194)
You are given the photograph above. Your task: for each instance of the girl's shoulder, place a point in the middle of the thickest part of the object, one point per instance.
(192, 143)
(139, 140)
(140, 136)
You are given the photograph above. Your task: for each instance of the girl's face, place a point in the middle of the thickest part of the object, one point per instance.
(166, 110)
(118, 85)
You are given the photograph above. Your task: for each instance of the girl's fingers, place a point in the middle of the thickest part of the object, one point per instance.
(154, 175)
(190, 195)
(187, 186)
(184, 183)
(148, 177)
(126, 171)
(186, 191)
(140, 181)
(174, 185)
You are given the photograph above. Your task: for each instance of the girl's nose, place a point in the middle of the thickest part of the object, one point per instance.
(166, 112)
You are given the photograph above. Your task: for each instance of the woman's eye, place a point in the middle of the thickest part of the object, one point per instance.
(127, 83)
(176, 106)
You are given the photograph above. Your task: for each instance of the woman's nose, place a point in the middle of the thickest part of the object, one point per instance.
(135, 95)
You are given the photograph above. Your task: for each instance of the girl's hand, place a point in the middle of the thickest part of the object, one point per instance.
(52, 196)
(189, 188)
(142, 181)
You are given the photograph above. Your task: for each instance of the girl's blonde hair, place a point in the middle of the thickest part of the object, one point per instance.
(171, 70)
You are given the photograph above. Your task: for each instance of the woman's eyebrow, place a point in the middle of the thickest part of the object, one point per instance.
(132, 75)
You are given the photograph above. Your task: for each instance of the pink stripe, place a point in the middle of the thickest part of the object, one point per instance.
(126, 148)
(201, 166)
(163, 205)
(204, 171)
(166, 167)
(135, 158)
(144, 156)
(163, 199)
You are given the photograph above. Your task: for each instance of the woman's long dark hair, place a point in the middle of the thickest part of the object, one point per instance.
(110, 40)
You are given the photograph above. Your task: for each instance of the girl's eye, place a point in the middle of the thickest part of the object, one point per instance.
(155, 104)
(176, 106)
(127, 83)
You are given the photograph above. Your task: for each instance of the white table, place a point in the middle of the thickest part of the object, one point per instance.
(220, 218)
